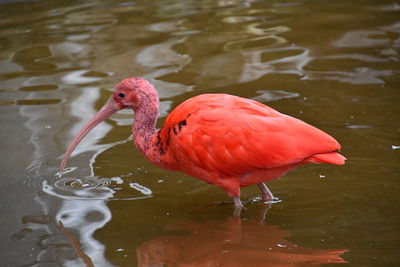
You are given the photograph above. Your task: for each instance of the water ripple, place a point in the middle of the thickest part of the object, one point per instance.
(79, 188)
(265, 96)
(94, 188)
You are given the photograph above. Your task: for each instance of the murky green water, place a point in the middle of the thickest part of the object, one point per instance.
(334, 64)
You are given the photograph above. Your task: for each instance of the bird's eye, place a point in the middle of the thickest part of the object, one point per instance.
(121, 95)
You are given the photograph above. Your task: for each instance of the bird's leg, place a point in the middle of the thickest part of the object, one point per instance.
(238, 206)
(266, 193)
(238, 202)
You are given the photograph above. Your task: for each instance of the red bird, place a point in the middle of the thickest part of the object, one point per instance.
(224, 140)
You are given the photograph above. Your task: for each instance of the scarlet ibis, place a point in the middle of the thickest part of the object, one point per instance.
(224, 140)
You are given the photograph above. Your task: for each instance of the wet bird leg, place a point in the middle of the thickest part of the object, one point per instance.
(238, 202)
(266, 193)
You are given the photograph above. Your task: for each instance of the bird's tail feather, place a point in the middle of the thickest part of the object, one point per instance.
(332, 158)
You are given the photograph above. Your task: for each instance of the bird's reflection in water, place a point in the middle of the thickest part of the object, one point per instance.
(80, 209)
(231, 242)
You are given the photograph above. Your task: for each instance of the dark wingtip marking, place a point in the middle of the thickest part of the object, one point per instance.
(176, 129)
(160, 144)
(181, 124)
(158, 138)
(162, 151)
(168, 137)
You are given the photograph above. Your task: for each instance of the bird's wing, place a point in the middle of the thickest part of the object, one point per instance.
(232, 135)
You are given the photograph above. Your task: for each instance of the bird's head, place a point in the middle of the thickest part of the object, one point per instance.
(134, 93)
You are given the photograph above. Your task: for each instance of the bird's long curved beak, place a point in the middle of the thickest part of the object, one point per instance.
(106, 111)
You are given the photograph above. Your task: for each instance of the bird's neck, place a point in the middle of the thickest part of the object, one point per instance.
(144, 129)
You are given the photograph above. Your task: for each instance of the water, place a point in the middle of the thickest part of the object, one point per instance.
(334, 64)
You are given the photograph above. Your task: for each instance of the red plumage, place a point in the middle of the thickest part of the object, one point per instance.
(228, 137)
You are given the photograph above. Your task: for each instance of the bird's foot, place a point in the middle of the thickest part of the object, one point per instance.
(265, 200)
(271, 201)
(267, 196)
